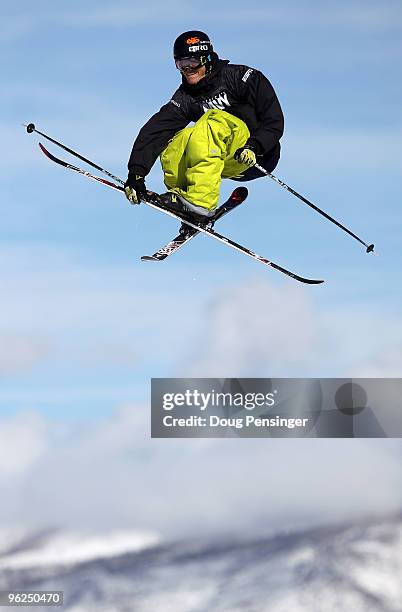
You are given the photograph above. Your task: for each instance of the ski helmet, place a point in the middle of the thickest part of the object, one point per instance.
(195, 44)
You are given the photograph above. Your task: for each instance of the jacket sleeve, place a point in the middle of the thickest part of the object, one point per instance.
(261, 95)
(155, 135)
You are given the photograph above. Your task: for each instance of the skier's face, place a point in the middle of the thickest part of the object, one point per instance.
(191, 69)
(194, 76)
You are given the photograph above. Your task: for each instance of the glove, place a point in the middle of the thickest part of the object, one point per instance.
(134, 188)
(246, 155)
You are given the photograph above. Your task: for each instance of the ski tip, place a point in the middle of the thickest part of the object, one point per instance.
(148, 258)
(307, 281)
(45, 151)
(239, 194)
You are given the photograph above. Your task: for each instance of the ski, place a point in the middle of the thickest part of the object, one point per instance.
(65, 164)
(153, 201)
(186, 233)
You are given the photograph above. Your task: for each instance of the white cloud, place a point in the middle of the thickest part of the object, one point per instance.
(111, 473)
(23, 440)
(385, 362)
(91, 312)
(20, 352)
(255, 328)
(110, 315)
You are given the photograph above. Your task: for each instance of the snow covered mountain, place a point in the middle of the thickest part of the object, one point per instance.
(353, 567)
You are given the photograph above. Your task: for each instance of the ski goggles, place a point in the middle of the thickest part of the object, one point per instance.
(192, 63)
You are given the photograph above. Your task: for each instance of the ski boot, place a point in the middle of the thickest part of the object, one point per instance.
(173, 202)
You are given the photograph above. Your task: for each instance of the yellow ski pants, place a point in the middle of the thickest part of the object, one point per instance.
(198, 157)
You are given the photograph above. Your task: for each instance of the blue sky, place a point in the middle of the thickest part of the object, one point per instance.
(85, 324)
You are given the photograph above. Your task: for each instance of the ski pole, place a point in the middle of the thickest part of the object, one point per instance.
(31, 128)
(369, 247)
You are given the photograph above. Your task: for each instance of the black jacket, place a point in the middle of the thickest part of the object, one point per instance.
(242, 91)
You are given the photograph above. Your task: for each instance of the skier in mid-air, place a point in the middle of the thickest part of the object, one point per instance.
(238, 123)
(237, 119)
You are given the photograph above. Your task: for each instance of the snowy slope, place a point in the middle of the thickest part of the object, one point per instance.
(353, 567)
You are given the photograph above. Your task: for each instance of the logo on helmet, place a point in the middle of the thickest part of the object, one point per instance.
(192, 41)
(196, 48)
